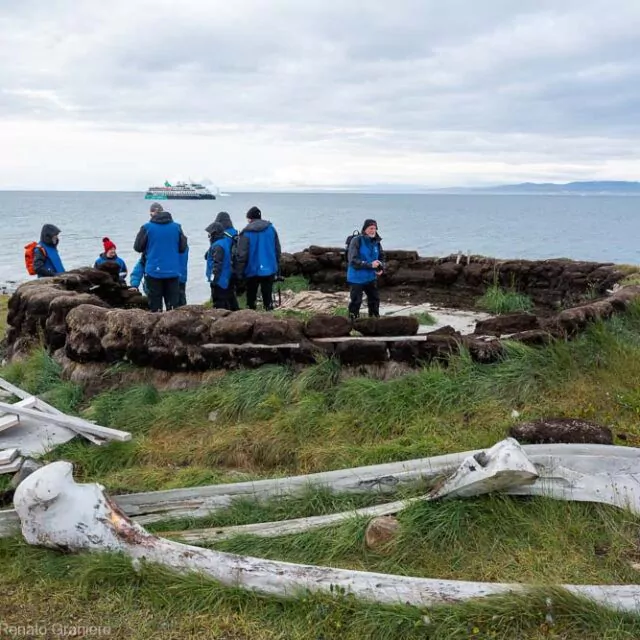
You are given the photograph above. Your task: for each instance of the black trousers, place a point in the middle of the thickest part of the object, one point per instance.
(266, 289)
(182, 295)
(373, 299)
(159, 289)
(232, 295)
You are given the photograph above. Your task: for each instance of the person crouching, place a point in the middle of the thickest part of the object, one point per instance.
(219, 268)
(110, 256)
(365, 260)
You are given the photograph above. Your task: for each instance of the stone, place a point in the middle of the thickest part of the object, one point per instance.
(387, 326)
(327, 326)
(56, 325)
(27, 468)
(381, 533)
(86, 326)
(447, 330)
(533, 338)
(186, 325)
(361, 352)
(268, 329)
(235, 328)
(406, 351)
(438, 347)
(561, 430)
(507, 324)
(484, 351)
(127, 335)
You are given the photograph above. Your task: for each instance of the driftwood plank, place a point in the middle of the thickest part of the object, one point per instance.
(8, 455)
(6, 422)
(76, 424)
(11, 467)
(414, 338)
(45, 408)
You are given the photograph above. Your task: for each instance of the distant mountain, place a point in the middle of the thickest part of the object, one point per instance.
(600, 187)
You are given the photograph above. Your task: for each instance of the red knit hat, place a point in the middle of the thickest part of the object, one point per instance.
(107, 244)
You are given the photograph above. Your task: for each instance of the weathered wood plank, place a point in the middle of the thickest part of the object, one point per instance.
(413, 338)
(8, 455)
(46, 408)
(11, 467)
(7, 421)
(75, 424)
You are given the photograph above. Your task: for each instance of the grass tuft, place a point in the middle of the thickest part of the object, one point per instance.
(424, 318)
(498, 301)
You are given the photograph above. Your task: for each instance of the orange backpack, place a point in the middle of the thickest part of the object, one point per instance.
(30, 257)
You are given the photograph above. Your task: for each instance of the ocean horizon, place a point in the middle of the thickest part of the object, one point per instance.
(601, 228)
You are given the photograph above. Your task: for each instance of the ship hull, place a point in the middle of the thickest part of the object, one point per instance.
(178, 196)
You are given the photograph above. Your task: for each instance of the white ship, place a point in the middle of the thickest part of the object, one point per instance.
(179, 191)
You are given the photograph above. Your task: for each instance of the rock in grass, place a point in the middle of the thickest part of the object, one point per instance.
(381, 532)
(27, 468)
(562, 430)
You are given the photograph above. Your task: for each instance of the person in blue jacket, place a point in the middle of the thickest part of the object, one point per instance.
(162, 242)
(184, 274)
(137, 277)
(109, 256)
(219, 269)
(46, 259)
(258, 259)
(224, 219)
(365, 260)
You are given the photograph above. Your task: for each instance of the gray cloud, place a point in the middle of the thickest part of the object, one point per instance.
(424, 76)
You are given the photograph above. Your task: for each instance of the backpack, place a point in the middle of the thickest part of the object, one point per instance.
(347, 242)
(234, 250)
(30, 257)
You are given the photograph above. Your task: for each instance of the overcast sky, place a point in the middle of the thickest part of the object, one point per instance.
(280, 94)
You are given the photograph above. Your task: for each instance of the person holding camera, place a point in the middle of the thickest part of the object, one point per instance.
(258, 259)
(365, 263)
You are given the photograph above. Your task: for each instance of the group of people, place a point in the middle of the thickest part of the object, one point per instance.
(248, 260)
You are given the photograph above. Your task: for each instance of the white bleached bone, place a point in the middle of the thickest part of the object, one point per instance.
(155, 506)
(503, 466)
(58, 513)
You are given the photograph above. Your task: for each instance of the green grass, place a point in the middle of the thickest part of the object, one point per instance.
(105, 591)
(295, 284)
(312, 501)
(424, 317)
(492, 539)
(498, 301)
(275, 421)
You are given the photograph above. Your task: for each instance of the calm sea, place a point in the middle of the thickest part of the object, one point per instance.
(600, 228)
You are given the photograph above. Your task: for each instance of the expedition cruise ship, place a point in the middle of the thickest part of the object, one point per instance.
(179, 191)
